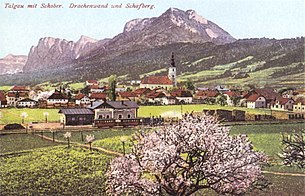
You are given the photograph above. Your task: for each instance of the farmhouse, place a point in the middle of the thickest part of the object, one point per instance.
(13, 98)
(299, 106)
(26, 103)
(77, 116)
(182, 96)
(91, 82)
(57, 98)
(256, 101)
(82, 99)
(282, 104)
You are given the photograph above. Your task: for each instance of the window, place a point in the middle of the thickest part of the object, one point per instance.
(73, 118)
(128, 116)
(107, 116)
(100, 116)
(120, 116)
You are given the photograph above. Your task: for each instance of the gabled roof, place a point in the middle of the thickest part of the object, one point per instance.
(161, 80)
(27, 100)
(155, 94)
(268, 93)
(283, 101)
(19, 94)
(58, 95)
(76, 111)
(19, 88)
(98, 96)
(232, 94)
(79, 96)
(141, 91)
(181, 93)
(117, 105)
(92, 81)
(254, 97)
(207, 93)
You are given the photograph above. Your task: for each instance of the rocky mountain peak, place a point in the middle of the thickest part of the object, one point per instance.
(11, 64)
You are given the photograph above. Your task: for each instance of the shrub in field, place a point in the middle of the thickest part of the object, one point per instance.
(197, 153)
(294, 149)
(13, 126)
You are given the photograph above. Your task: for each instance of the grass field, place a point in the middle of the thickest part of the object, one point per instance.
(20, 142)
(147, 111)
(54, 171)
(12, 115)
(59, 171)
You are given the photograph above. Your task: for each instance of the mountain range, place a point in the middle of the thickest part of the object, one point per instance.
(204, 53)
(12, 64)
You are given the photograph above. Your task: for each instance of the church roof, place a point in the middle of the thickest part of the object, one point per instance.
(162, 80)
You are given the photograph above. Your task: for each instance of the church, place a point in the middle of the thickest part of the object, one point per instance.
(165, 82)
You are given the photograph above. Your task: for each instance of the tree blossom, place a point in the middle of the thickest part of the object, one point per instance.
(197, 153)
(294, 149)
(67, 135)
(90, 138)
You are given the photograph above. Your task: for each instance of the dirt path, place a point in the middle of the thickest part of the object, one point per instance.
(110, 152)
(284, 173)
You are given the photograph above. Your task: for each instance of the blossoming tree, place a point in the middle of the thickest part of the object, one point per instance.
(197, 153)
(294, 149)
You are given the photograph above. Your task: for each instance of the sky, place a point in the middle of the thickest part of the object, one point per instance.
(22, 28)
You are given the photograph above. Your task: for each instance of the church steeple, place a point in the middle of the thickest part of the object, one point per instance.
(173, 60)
(172, 71)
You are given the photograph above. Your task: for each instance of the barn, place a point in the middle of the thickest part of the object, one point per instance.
(77, 116)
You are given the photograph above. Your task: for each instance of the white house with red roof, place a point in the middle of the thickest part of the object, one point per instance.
(13, 98)
(82, 99)
(92, 82)
(256, 101)
(282, 104)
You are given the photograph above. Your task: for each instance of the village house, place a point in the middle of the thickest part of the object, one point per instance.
(3, 101)
(13, 98)
(27, 103)
(82, 99)
(127, 95)
(165, 82)
(57, 98)
(76, 116)
(232, 98)
(209, 96)
(141, 92)
(97, 96)
(95, 89)
(282, 104)
(157, 97)
(16, 89)
(256, 101)
(299, 106)
(268, 94)
(182, 96)
(91, 82)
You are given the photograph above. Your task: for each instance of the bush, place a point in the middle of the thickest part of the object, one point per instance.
(13, 126)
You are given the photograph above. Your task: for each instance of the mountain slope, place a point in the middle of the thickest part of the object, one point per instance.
(11, 64)
(173, 26)
(269, 61)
